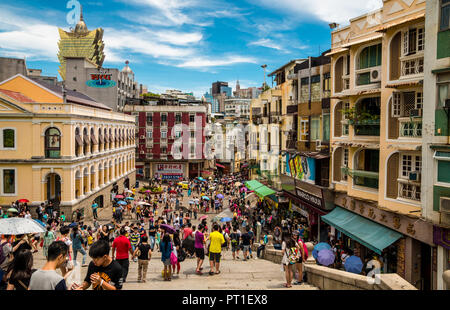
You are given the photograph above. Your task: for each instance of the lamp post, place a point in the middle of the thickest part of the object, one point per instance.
(264, 67)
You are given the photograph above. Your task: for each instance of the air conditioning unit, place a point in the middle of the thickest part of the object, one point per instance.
(415, 113)
(444, 205)
(318, 144)
(375, 75)
(447, 104)
(142, 152)
(414, 176)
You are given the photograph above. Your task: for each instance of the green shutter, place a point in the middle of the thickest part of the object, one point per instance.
(326, 127)
(443, 171)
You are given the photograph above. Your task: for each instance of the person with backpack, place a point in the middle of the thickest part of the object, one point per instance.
(235, 237)
(291, 255)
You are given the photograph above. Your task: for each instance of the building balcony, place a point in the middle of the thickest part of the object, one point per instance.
(411, 66)
(366, 127)
(409, 190)
(410, 128)
(363, 178)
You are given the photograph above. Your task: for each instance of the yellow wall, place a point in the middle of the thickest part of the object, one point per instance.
(31, 90)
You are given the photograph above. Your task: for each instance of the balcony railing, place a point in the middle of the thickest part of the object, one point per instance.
(410, 128)
(412, 65)
(407, 190)
(363, 178)
(366, 127)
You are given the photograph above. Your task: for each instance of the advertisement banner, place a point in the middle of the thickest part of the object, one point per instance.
(305, 168)
(169, 171)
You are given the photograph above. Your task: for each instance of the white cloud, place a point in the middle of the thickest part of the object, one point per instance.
(267, 43)
(325, 10)
(203, 62)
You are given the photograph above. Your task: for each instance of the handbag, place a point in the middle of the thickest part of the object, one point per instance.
(181, 255)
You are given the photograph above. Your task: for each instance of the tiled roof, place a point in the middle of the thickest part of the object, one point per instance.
(16, 96)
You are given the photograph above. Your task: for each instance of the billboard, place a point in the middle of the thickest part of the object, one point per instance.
(303, 168)
(169, 171)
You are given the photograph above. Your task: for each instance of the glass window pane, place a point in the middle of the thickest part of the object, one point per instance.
(443, 168)
(326, 127)
(8, 138)
(445, 16)
(9, 181)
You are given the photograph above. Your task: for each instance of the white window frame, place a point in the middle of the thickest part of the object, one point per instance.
(149, 134)
(304, 129)
(398, 103)
(419, 100)
(414, 164)
(2, 146)
(420, 47)
(15, 182)
(165, 134)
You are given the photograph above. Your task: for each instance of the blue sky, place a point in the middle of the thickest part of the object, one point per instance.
(182, 44)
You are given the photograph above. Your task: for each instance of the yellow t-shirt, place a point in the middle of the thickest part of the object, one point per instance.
(217, 240)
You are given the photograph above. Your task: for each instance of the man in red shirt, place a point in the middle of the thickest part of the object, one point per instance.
(123, 247)
(187, 231)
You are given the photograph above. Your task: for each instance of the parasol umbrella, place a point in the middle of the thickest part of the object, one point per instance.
(353, 264)
(320, 246)
(205, 197)
(123, 203)
(140, 203)
(13, 210)
(119, 197)
(204, 217)
(325, 257)
(24, 201)
(191, 202)
(73, 224)
(148, 191)
(41, 223)
(220, 196)
(19, 226)
(226, 219)
(129, 198)
(168, 228)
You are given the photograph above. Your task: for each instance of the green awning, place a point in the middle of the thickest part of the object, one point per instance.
(264, 191)
(370, 234)
(253, 185)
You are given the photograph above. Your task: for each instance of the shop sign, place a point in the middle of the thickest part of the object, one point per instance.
(169, 171)
(101, 81)
(441, 237)
(313, 200)
(299, 209)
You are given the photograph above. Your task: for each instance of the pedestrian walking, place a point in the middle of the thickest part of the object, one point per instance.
(143, 252)
(166, 251)
(290, 250)
(49, 237)
(215, 249)
(122, 246)
(78, 246)
(199, 246)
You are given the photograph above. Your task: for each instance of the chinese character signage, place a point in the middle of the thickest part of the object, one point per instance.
(101, 81)
(169, 171)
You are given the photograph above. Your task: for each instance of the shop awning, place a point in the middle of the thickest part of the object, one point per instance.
(370, 234)
(264, 191)
(220, 166)
(253, 185)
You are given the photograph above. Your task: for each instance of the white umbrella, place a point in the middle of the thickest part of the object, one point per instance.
(140, 203)
(128, 191)
(19, 226)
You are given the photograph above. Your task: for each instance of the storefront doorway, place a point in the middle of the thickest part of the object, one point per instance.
(425, 267)
(53, 188)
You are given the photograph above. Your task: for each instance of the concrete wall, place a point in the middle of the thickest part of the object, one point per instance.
(326, 278)
(10, 67)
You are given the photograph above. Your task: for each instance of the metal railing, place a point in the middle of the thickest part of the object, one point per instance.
(410, 128)
(412, 65)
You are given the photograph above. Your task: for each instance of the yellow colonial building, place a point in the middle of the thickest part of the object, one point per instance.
(62, 146)
(377, 69)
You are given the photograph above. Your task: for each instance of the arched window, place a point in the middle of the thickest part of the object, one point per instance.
(78, 142)
(52, 143)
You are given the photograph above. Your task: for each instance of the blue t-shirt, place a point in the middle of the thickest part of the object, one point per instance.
(76, 241)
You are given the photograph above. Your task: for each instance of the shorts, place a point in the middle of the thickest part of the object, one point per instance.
(214, 257)
(167, 262)
(246, 248)
(299, 261)
(200, 253)
(234, 248)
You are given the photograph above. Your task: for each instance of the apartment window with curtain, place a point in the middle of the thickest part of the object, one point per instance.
(370, 57)
(304, 130)
(315, 128)
(445, 15)
(326, 127)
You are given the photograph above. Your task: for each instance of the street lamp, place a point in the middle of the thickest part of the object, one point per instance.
(264, 67)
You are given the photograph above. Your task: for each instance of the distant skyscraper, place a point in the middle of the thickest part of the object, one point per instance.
(216, 88)
(80, 42)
